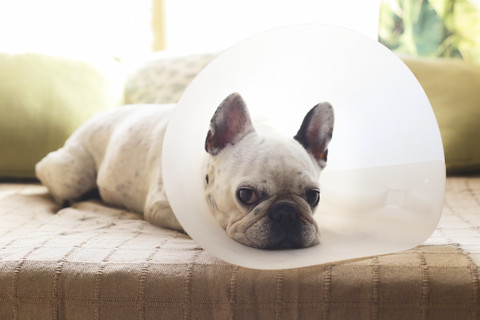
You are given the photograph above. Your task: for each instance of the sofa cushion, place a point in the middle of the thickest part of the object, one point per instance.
(90, 261)
(163, 78)
(453, 88)
(43, 99)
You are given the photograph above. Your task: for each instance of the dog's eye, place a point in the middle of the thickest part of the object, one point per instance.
(247, 196)
(313, 196)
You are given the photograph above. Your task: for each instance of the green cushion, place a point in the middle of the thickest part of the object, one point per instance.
(43, 99)
(453, 88)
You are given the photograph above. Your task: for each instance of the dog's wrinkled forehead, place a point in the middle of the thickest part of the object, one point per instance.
(273, 158)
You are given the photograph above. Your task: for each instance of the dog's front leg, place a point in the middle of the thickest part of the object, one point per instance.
(158, 211)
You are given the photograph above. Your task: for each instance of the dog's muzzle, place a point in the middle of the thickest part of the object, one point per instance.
(288, 229)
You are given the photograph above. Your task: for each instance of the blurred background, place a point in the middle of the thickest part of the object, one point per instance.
(133, 28)
(62, 61)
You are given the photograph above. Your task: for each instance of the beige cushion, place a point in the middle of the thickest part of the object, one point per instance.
(43, 99)
(90, 261)
(453, 88)
(164, 78)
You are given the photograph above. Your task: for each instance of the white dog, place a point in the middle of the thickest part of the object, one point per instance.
(263, 190)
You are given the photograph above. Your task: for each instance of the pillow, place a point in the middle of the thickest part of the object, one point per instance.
(163, 79)
(453, 88)
(43, 99)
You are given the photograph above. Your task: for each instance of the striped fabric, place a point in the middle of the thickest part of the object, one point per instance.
(94, 262)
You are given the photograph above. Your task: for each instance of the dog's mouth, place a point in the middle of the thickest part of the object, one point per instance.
(282, 227)
(271, 235)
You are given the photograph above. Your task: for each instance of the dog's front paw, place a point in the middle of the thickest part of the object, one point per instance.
(158, 212)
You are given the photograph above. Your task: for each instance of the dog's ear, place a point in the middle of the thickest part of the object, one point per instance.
(230, 123)
(316, 132)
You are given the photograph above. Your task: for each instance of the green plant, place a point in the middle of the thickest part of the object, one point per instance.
(432, 28)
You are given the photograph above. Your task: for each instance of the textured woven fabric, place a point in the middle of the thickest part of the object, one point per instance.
(163, 79)
(90, 261)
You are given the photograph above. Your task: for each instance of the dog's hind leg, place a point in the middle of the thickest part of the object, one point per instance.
(68, 173)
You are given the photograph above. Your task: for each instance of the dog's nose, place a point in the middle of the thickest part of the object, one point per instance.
(283, 212)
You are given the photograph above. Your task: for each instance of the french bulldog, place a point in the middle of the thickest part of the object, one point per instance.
(261, 188)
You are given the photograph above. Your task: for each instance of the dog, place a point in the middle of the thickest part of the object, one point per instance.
(263, 189)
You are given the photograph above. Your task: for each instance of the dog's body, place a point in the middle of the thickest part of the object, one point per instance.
(118, 152)
(262, 190)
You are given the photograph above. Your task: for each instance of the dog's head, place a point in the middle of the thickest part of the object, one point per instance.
(263, 189)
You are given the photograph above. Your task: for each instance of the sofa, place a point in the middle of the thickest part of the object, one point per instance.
(92, 261)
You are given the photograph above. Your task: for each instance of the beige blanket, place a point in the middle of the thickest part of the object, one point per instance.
(94, 262)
